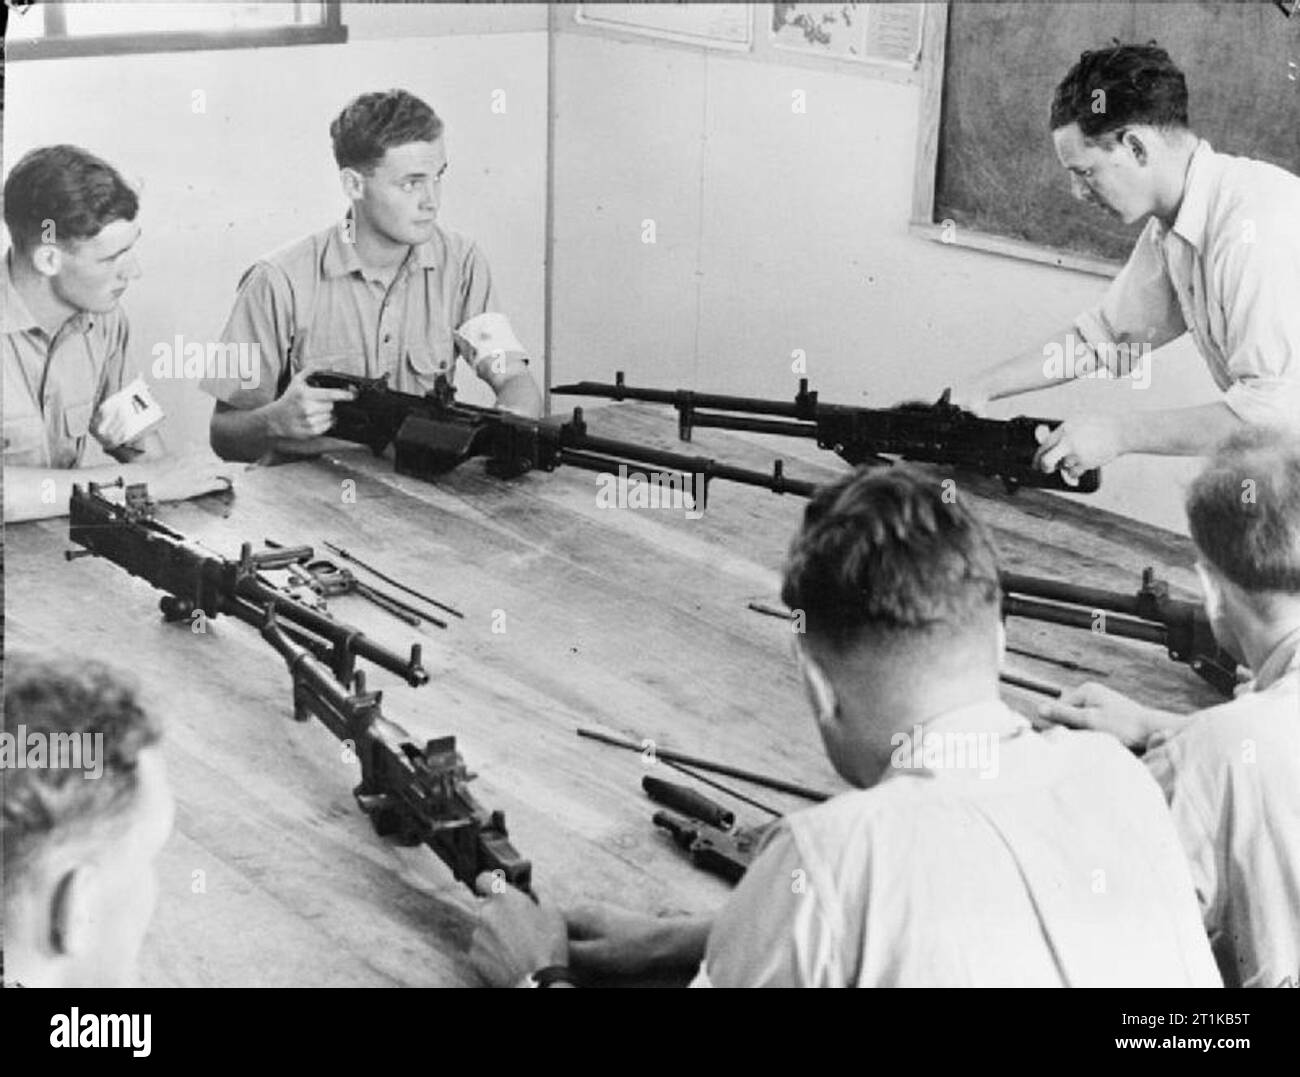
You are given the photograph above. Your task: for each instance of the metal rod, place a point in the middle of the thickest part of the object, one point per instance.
(723, 788)
(778, 784)
(1031, 684)
(347, 555)
(1064, 663)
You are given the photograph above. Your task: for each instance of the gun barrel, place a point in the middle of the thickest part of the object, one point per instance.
(684, 398)
(605, 454)
(1072, 617)
(1073, 594)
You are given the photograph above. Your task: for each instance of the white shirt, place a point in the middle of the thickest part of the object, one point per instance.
(1061, 867)
(1228, 272)
(1232, 777)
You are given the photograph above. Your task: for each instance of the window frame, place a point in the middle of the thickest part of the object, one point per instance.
(57, 45)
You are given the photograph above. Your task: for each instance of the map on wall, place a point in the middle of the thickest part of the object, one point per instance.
(874, 33)
(721, 26)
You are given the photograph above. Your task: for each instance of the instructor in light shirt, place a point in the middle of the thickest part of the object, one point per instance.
(1219, 258)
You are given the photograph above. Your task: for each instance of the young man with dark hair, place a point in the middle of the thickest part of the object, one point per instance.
(1219, 258)
(1232, 773)
(973, 851)
(80, 828)
(63, 338)
(385, 291)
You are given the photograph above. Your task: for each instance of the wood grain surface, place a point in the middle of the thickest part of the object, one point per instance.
(634, 621)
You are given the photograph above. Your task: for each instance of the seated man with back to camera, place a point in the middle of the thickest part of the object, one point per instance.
(1232, 773)
(1050, 861)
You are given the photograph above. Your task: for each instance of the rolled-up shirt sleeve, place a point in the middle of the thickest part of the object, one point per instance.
(478, 295)
(779, 929)
(1260, 281)
(1139, 307)
(263, 317)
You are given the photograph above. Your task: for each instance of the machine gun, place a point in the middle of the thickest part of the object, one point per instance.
(1151, 615)
(432, 434)
(417, 795)
(705, 829)
(939, 433)
(198, 581)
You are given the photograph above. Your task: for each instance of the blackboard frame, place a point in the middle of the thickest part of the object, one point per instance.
(934, 38)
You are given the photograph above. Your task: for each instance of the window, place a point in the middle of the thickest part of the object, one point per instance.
(44, 31)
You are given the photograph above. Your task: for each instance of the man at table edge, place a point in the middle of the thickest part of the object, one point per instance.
(64, 338)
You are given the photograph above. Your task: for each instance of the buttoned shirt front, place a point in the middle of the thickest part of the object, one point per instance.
(1232, 778)
(54, 385)
(1228, 273)
(1057, 866)
(313, 305)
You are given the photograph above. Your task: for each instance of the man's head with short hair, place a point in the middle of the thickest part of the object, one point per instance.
(391, 156)
(897, 584)
(79, 849)
(71, 217)
(1118, 118)
(1243, 512)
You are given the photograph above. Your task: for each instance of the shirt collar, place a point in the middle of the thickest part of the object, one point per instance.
(1202, 175)
(1284, 659)
(340, 256)
(15, 317)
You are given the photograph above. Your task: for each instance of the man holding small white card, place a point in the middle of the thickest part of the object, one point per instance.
(386, 291)
(68, 382)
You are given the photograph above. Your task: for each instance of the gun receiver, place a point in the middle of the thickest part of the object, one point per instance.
(433, 434)
(939, 433)
(705, 829)
(197, 580)
(417, 795)
(1151, 615)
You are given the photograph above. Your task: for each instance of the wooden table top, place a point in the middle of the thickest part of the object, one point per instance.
(633, 621)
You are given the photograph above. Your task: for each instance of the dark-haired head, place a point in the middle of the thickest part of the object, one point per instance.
(372, 123)
(1243, 510)
(1121, 86)
(889, 557)
(64, 194)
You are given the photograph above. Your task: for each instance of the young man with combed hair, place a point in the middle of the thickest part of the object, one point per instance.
(63, 339)
(1232, 773)
(79, 841)
(1036, 860)
(1219, 258)
(385, 291)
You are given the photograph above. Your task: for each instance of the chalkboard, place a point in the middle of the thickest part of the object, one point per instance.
(995, 171)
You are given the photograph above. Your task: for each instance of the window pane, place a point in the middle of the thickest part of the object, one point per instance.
(25, 24)
(134, 18)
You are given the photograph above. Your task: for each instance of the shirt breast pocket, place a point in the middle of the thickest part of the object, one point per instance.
(76, 420)
(424, 361)
(24, 441)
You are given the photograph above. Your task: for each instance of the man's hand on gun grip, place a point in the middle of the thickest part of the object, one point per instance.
(303, 411)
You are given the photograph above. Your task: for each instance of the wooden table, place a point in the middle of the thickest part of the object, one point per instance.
(635, 621)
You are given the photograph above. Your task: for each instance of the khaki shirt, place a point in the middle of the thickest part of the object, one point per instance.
(313, 305)
(1228, 272)
(1232, 777)
(1056, 866)
(53, 387)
